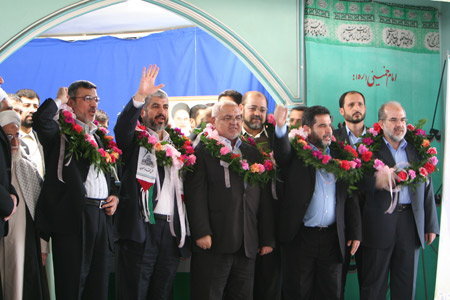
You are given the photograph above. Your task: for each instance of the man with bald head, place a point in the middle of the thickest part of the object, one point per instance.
(391, 241)
(254, 113)
(231, 220)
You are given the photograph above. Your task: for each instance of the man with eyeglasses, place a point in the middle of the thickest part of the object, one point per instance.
(231, 220)
(391, 241)
(78, 200)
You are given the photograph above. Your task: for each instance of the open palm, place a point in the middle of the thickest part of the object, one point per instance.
(147, 84)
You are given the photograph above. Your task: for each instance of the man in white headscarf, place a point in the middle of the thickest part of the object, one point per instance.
(20, 251)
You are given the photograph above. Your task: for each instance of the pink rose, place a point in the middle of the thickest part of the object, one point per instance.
(271, 119)
(420, 132)
(244, 164)
(378, 164)
(224, 150)
(352, 164)
(358, 162)
(169, 151)
(151, 139)
(326, 159)
(191, 159)
(103, 129)
(412, 174)
(102, 152)
(261, 168)
(333, 139)
(307, 147)
(362, 149)
(433, 160)
(189, 150)
(373, 132)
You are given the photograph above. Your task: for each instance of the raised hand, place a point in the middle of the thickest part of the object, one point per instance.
(280, 115)
(63, 95)
(147, 84)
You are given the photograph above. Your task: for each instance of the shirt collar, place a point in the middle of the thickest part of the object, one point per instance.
(24, 134)
(327, 149)
(228, 143)
(155, 134)
(403, 144)
(263, 131)
(90, 128)
(349, 133)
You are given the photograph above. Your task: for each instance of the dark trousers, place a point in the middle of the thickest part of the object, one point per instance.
(267, 285)
(221, 276)
(147, 270)
(312, 265)
(346, 267)
(398, 262)
(82, 261)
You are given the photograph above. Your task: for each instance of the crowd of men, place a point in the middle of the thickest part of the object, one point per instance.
(290, 238)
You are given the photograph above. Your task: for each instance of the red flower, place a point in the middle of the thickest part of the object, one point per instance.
(350, 149)
(366, 156)
(77, 128)
(234, 155)
(268, 165)
(189, 149)
(377, 127)
(368, 141)
(402, 176)
(345, 165)
(429, 167)
(432, 151)
(423, 172)
(410, 127)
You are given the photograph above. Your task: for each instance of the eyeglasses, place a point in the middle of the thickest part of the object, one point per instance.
(228, 119)
(12, 137)
(89, 98)
(395, 120)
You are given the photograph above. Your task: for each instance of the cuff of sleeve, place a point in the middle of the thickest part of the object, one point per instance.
(137, 104)
(280, 132)
(58, 102)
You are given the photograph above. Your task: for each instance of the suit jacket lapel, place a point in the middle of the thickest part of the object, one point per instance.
(385, 154)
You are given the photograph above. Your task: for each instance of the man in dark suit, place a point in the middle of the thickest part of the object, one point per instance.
(315, 220)
(151, 221)
(391, 242)
(253, 107)
(352, 106)
(76, 203)
(231, 220)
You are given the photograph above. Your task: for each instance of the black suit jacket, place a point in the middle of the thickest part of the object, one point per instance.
(60, 204)
(129, 222)
(341, 134)
(378, 226)
(6, 188)
(237, 216)
(299, 186)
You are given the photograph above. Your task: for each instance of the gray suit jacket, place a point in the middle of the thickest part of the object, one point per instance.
(377, 226)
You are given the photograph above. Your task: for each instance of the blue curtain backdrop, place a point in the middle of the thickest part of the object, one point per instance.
(192, 63)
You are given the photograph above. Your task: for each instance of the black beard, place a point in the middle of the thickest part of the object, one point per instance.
(254, 126)
(27, 123)
(356, 121)
(316, 141)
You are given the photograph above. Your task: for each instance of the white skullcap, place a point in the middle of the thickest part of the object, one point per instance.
(8, 117)
(3, 95)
